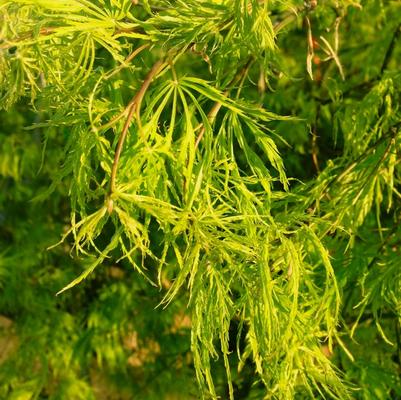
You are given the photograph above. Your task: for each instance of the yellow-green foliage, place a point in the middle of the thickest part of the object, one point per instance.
(224, 177)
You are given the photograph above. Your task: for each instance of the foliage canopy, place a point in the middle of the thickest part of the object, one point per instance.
(225, 177)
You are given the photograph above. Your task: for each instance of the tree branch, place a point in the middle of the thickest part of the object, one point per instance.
(28, 35)
(133, 107)
(211, 116)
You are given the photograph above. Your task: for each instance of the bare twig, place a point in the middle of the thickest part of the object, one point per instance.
(48, 30)
(211, 116)
(133, 108)
(28, 35)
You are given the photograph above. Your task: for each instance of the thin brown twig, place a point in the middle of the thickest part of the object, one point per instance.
(212, 114)
(136, 52)
(133, 107)
(124, 64)
(28, 35)
(240, 76)
(48, 30)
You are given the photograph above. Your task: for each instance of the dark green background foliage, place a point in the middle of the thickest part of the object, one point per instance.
(245, 242)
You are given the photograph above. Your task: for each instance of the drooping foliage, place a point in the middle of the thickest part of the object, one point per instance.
(212, 188)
